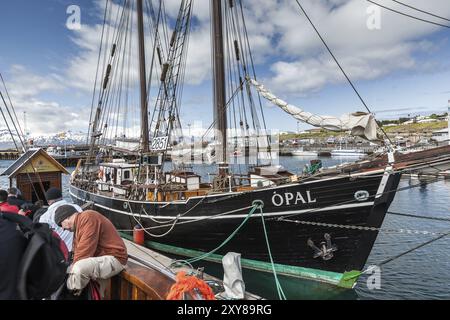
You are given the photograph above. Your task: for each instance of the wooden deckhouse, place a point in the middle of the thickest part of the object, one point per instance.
(34, 173)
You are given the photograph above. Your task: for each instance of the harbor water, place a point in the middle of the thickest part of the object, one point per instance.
(421, 274)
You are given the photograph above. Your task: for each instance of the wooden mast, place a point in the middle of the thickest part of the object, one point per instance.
(220, 114)
(448, 117)
(143, 80)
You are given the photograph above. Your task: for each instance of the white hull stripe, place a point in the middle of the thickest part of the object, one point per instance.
(235, 216)
(383, 183)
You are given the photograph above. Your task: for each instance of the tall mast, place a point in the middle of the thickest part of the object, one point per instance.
(143, 80)
(448, 117)
(220, 114)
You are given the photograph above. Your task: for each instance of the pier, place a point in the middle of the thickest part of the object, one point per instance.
(324, 150)
(9, 155)
(68, 156)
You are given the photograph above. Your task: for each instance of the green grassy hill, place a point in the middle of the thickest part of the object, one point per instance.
(411, 128)
(417, 127)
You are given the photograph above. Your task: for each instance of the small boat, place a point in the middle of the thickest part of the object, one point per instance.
(347, 153)
(302, 153)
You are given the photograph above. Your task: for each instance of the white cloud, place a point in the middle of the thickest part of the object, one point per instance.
(292, 59)
(83, 65)
(25, 84)
(303, 65)
(42, 116)
(284, 42)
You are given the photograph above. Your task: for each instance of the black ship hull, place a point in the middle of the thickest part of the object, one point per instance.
(298, 216)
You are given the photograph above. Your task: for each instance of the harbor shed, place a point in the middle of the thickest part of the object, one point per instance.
(34, 173)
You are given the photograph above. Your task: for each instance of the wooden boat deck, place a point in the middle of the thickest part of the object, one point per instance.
(148, 277)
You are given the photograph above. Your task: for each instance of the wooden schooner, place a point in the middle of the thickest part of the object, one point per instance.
(319, 226)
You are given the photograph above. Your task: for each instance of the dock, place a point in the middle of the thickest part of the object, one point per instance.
(9, 154)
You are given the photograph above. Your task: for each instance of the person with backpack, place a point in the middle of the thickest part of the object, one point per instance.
(55, 200)
(12, 248)
(33, 259)
(99, 253)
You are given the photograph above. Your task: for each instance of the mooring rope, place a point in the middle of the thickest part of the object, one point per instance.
(417, 216)
(257, 205)
(146, 231)
(230, 237)
(357, 275)
(260, 206)
(192, 221)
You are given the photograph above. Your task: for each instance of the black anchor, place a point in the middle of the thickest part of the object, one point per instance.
(326, 248)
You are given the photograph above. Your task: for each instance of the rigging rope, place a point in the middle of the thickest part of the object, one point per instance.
(7, 123)
(408, 15)
(342, 69)
(423, 11)
(97, 70)
(15, 121)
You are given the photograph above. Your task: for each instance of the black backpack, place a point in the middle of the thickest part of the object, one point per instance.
(44, 264)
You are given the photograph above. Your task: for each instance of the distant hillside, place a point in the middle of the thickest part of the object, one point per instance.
(417, 127)
(60, 139)
(405, 128)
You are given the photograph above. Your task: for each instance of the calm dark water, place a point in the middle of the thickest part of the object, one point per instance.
(421, 274)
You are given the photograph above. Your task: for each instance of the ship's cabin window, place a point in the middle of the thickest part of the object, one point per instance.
(126, 175)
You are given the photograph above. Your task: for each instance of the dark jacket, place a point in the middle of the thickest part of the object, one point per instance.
(37, 215)
(12, 247)
(16, 201)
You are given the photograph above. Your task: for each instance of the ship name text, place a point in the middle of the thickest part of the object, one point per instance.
(290, 198)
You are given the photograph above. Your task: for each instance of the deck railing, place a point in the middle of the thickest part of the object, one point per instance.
(138, 283)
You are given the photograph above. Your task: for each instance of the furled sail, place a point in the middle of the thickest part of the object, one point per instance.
(359, 124)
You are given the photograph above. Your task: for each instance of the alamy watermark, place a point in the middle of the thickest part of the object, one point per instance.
(374, 17)
(74, 20)
(249, 147)
(374, 279)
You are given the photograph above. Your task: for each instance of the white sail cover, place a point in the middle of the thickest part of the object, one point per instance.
(359, 124)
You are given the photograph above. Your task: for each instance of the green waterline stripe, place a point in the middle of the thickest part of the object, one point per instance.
(344, 280)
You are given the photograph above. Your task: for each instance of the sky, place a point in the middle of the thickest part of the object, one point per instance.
(399, 65)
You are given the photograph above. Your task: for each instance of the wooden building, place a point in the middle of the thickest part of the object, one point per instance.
(34, 173)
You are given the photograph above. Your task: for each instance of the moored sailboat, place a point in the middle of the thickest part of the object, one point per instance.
(320, 227)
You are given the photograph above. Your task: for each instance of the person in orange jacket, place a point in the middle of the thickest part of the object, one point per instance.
(99, 252)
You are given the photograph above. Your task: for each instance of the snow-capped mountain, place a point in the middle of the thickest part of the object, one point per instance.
(60, 139)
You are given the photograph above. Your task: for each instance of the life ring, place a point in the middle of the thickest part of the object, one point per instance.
(186, 284)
